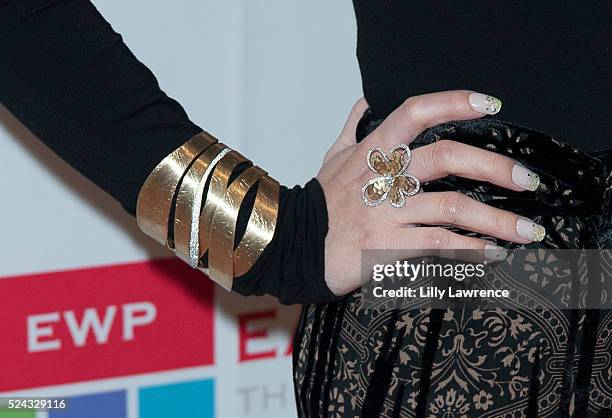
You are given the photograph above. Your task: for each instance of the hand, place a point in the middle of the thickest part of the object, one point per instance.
(354, 226)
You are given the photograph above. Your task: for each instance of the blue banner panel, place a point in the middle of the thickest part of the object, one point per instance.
(100, 405)
(194, 399)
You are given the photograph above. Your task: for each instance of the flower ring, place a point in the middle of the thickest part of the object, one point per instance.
(392, 178)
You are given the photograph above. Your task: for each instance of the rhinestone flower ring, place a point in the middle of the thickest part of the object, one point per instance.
(392, 178)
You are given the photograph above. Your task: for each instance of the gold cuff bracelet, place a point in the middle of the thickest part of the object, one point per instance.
(175, 209)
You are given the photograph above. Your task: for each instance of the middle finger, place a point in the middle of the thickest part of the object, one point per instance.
(445, 157)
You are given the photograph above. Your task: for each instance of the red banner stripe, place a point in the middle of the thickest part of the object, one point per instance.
(104, 322)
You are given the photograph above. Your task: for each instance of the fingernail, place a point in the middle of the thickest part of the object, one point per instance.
(530, 230)
(495, 253)
(525, 178)
(484, 103)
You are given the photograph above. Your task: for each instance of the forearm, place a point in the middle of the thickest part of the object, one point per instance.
(74, 83)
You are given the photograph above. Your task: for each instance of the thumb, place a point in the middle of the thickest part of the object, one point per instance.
(348, 133)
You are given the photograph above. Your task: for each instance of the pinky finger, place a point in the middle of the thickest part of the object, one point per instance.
(422, 241)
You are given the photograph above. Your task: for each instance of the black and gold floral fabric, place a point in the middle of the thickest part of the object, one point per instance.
(353, 359)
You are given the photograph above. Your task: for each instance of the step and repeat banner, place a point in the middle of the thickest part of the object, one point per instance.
(94, 312)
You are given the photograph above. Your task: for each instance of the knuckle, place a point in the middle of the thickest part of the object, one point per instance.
(504, 223)
(369, 230)
(436, 239)
(492, 164)
(366, 238)
(452, 206)
(373, 139)
(441, 153)
(457, 101)
(371, 237)
(410, 109)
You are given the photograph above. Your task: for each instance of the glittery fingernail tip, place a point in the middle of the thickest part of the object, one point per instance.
(530, 230)
(494, 253)
(484, 103)
(525, 178)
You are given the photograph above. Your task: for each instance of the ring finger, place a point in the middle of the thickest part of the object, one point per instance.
(453, 208)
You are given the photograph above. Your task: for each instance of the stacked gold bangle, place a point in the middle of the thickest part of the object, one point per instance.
(188, 205)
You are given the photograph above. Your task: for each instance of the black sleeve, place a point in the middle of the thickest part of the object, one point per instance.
(69, 77)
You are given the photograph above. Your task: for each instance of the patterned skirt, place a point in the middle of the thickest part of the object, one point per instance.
(355, 360)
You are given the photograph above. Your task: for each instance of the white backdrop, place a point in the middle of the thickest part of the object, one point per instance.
(254, 73)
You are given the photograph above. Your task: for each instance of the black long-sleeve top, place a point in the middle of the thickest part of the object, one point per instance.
(548, 60)
(69, 77)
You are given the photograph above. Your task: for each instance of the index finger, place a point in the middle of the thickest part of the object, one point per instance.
(418, 113)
